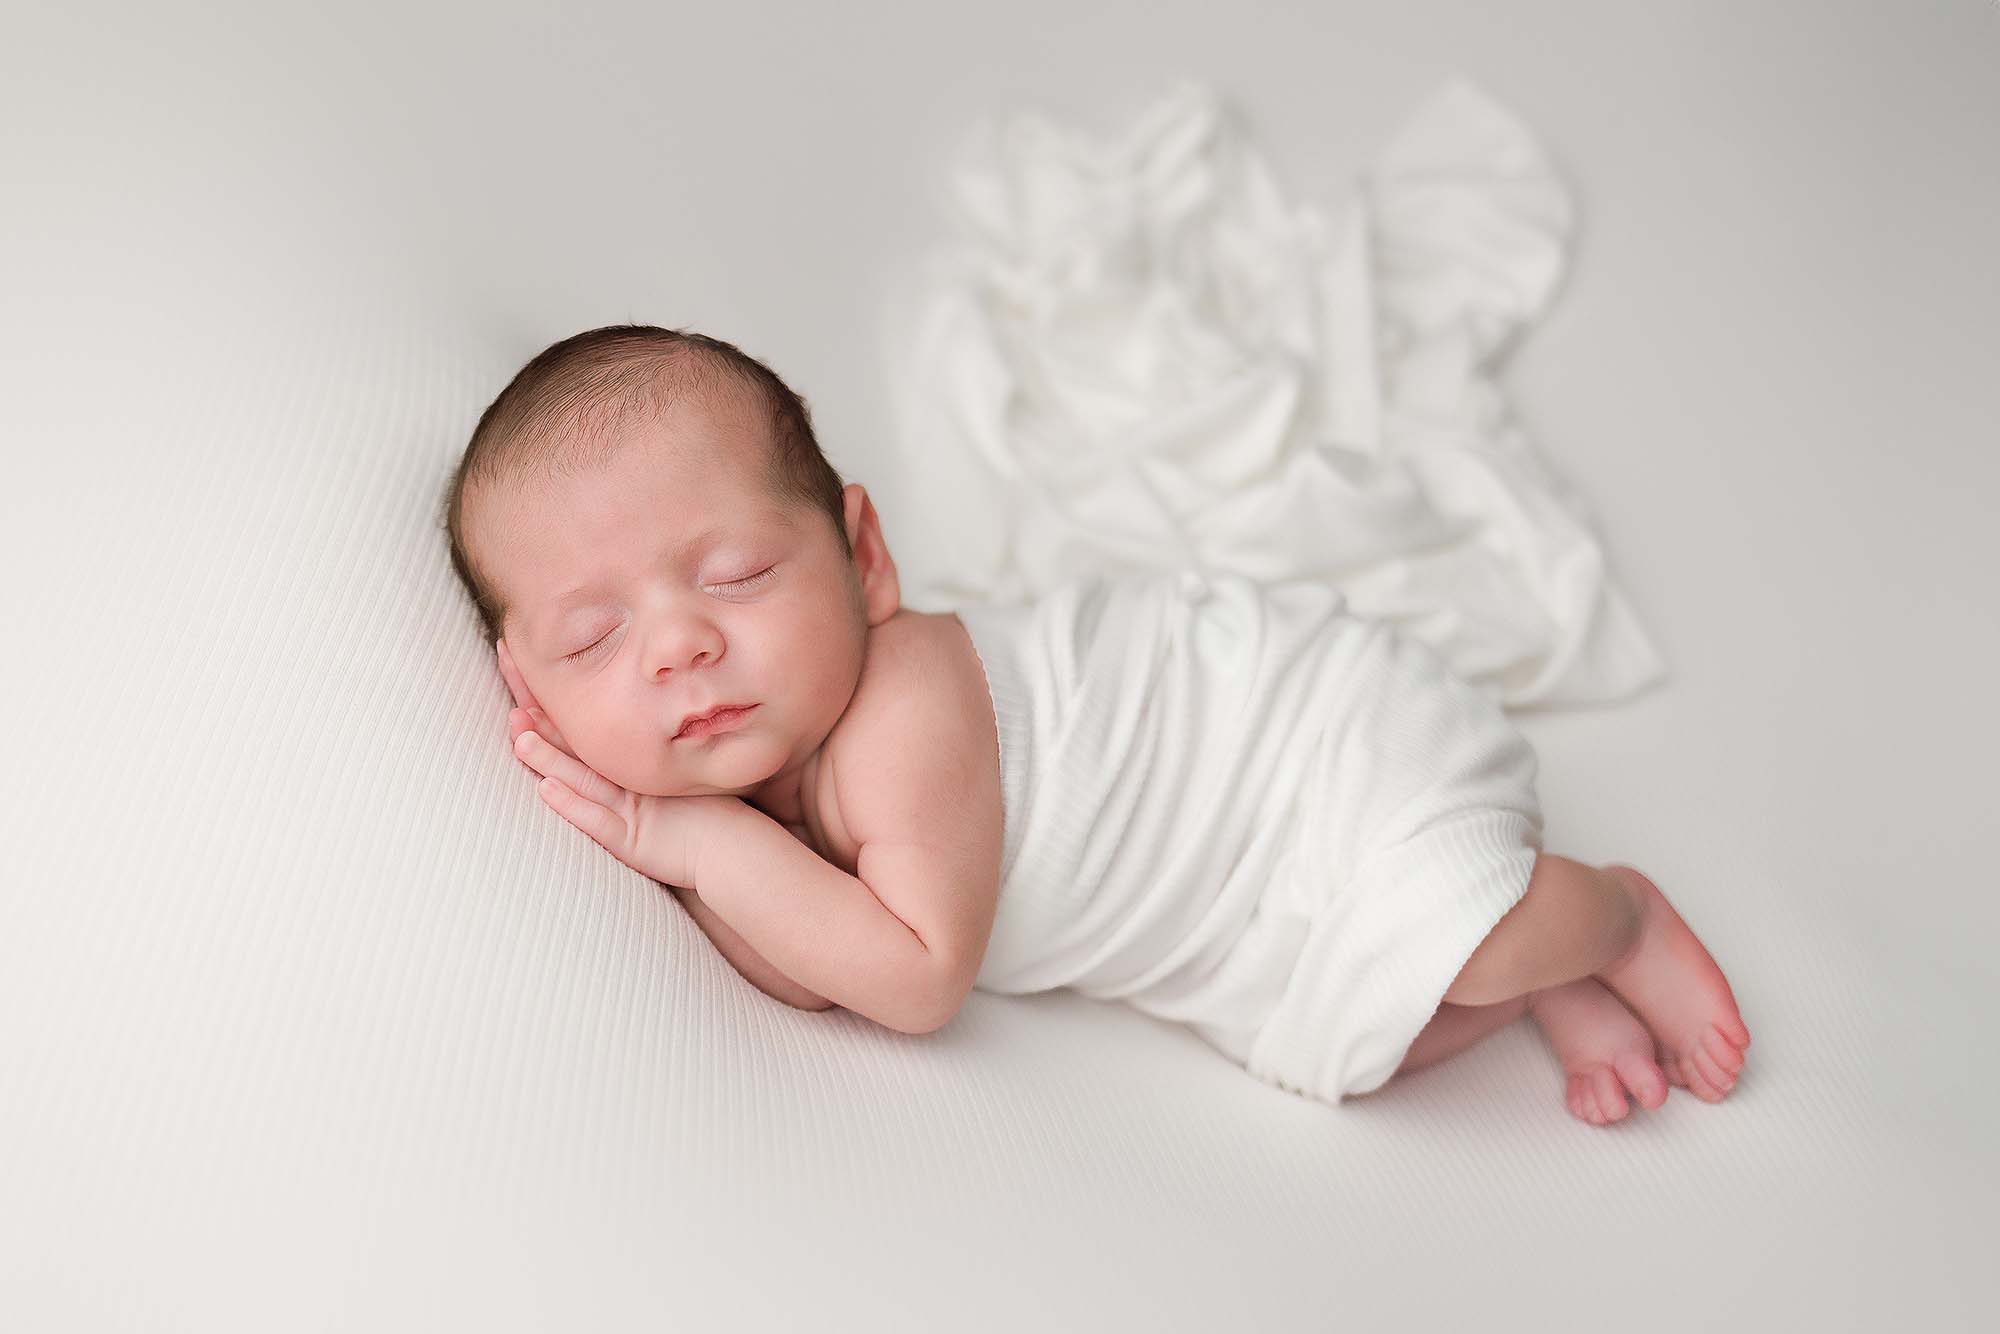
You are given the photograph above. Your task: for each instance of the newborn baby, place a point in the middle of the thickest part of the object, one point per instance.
(1240, 807)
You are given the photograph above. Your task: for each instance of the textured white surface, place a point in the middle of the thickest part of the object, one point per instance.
(312, 1018)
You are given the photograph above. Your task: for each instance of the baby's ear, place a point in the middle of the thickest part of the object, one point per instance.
(516, 685)
(881, 591)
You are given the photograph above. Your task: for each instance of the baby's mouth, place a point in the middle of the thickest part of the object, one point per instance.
(722, 720)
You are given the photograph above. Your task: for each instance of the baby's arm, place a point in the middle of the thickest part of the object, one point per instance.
(747, 961)
(814, 922)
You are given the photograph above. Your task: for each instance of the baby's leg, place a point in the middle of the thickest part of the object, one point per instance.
(1455, 1027)
(1574, 920)
(1614, 924)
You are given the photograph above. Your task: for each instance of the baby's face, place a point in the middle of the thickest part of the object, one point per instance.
(668, 582)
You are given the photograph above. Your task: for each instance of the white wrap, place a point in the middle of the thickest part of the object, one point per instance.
(1244, 808)
(1137, 353)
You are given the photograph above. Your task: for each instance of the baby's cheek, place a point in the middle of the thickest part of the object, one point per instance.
(597, 746)
(610, 754)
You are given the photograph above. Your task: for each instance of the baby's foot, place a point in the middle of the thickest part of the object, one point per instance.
(1672, 983)
(1602, 1047)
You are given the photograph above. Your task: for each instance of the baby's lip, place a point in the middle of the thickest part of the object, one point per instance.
(706, 714)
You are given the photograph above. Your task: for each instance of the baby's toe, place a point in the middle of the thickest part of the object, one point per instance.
(1716, 1072)
(1706, 1080)
(1643, 1077)
(1583, 1103)
(1579, 1106)
(1722, 1051)
(1610, 1097)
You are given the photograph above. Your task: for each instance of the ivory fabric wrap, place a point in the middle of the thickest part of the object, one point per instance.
(1238, 806)
(1136, 354)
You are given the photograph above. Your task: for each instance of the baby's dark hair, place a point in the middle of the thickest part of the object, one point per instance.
(561, 411)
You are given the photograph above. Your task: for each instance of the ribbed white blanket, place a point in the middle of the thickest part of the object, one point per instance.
(1243, 808)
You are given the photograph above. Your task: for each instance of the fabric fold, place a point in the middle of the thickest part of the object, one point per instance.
(1135, 354)
(1238, 807)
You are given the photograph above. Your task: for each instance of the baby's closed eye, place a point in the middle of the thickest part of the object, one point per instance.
(757, 580)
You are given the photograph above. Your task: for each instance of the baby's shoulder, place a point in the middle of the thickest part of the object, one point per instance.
(917, 738)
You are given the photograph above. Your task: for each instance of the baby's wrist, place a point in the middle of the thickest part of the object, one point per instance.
(712, 820)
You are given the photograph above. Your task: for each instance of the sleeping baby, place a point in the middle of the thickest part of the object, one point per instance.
(1237, 806)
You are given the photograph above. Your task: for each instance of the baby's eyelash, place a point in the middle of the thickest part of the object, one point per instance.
(749, 581)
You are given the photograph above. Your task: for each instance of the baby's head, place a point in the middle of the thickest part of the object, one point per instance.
(646, 519)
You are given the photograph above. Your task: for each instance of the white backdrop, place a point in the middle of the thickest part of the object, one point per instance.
(311, 1017)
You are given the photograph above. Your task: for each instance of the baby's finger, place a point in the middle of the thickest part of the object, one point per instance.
(518, 721)
(602, 825)
(545, 759)
(540, 722)
(526, 720)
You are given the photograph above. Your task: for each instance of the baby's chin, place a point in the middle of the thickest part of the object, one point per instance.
(733, 766)
(697, 790)
(735, 780)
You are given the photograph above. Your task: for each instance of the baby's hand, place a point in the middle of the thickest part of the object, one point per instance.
(655, 836)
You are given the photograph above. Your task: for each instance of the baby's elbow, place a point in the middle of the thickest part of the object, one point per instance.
(929, 1022)
(938, 1011)
(796, 996)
